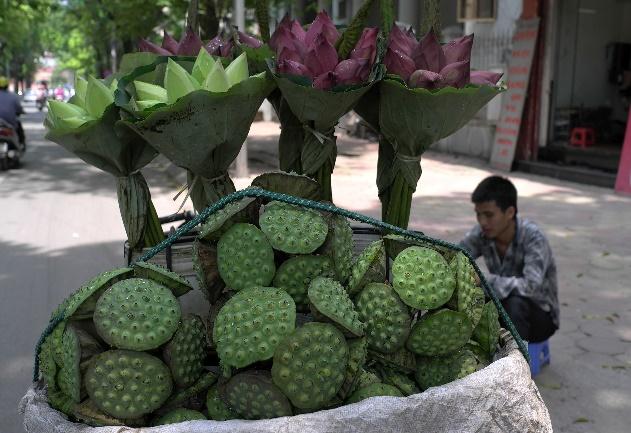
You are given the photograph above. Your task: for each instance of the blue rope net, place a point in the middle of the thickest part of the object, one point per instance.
(255, 192)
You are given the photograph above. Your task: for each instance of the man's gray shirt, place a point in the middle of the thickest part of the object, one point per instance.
(10, 107)
(528, 267)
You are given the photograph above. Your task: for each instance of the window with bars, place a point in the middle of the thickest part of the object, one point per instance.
(477, 10)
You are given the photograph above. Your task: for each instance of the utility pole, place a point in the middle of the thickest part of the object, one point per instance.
(238, 19)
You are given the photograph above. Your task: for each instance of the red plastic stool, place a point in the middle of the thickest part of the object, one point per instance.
(582, 137)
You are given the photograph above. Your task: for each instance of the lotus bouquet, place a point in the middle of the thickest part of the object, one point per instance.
(199, 120)
(88, 127)
(319, 85)
(428, 93)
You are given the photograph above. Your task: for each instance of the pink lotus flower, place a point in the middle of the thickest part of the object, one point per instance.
(427, 64)
(312, 53)
(190, 44)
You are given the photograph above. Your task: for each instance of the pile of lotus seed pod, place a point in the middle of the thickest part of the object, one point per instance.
(296, 324)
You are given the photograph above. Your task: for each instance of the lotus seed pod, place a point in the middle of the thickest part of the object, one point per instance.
(422, 278)
(69, 375)
(245, 258)
(212, 316)
(217, 409)
(179, 415)
(481, 355)
(183, 397)
(294, 184)
(88, 413)
(60, 401)
(81, 304)
(386, 317)
(310, 364)
(205, 267)
(357, 353)
(128, 384)
(406, 385)
(366, 377)
(161, 275)
(468, 298)
(402, 360)
(374, 390)
(47, 366)
(396, 244)
(339, 246)
(295, 274)
(56, 337)
(219, 222)
(293, 229)
(251, 324)
(186, 351)
(137, 314)
(369, 267)
(328, 298)
(439, 333)
(487, 332)
(439, 370)
(253, 395)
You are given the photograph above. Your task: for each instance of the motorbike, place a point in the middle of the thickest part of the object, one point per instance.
(11, 150)
(42, 97)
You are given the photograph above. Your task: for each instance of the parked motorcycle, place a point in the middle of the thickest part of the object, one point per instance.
(11, 150)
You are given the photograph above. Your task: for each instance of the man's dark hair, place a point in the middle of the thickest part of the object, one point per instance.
(497, 189)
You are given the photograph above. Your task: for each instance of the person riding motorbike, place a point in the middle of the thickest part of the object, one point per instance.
(10, 108)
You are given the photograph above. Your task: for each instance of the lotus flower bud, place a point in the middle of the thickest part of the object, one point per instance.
(170, 44)
(178, 82)
(349, 71)
(189, 44)
(285, 24)
(249, 41)
(289, 54)
(322, 25)
(298, 32)
(203, 64)
(322, 57)
(366, 47)
(399, 63)
(458, 50)
(291, 67)
(150, 47)
(402, 41)
(237, 70)
(324, 81)
(426, 79)
(428, 54)
(226, 48)
(485, 77)
(81, 87)
(456, 74)
(216, 80)
(64, 115)
(149, 92)
(97, 98)
(214, 46)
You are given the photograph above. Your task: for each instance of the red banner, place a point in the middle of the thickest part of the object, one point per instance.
(623, 181)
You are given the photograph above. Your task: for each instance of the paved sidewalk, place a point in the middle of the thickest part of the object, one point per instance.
(587, 388)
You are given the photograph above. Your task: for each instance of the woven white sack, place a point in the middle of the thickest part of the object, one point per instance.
(500, 398)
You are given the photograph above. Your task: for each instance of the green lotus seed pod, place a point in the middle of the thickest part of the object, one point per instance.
(386, 317)
(406, 385)
(69, 374)
(217, 409)
(296, 273)
(245, 258)
(374, 390)
(439, 370)
(253, 395)
(293, 229)
(357, 351)
(186, 351)
(219, 222)
(468, 298)
(161, 275)
(205, 267)
(487, 332)
(310, 364)
(366, 377)
(422, 278)
(439, 333)
(294, 184)
(402, 360)
(329, 299)
(369, 267)
(339, 246)
(251, 324)
(179, 415)
(137, 314)
(183, 397)
(128, 384)
(88, 413)
(47, 366)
